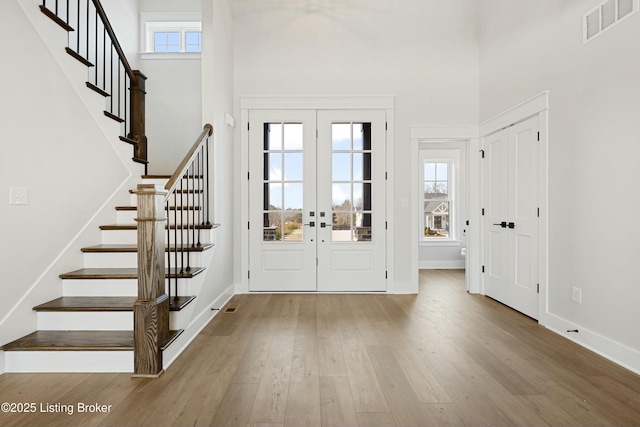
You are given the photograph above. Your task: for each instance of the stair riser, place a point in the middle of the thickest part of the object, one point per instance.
(69, 361)
(130, 260)
(116, 288)
(85, 321)
(129, 217)
(110, 237)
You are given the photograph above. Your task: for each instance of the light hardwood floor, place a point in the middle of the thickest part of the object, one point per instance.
(440, 358)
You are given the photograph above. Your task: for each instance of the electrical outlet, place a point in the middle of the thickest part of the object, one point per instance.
(577, 295)
(18, 196)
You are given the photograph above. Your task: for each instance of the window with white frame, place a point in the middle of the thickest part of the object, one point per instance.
(437, 200)
(172, 37)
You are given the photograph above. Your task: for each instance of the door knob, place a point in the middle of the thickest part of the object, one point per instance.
(511, 225)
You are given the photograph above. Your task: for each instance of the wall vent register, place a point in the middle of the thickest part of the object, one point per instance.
(606, 16)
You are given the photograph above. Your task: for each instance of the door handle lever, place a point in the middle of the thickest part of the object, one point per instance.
(503, 224)
(311, 224)
(323, 225)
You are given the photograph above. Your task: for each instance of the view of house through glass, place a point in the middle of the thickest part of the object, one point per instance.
(437, 201)
(351, 182)
(282, 196)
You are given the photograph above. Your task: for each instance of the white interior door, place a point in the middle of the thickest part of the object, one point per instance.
(351, 201)
(511, 216)
(317, 200)
(282, 199)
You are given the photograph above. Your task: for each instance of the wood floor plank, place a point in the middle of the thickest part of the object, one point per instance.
(375, 419)
(303, 403)
(235, 407)
(403, 403)
(367, 395)
(336, 403)
(444, 415)
(547, 410)
(330, 354)
(271, 398)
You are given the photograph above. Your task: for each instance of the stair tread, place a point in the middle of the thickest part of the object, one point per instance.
(135, 226)
(111, 248)
(109, 304)
(78, 341)
(120, 273)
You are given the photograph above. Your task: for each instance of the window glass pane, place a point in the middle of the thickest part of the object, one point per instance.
(358, 163)
(341, 227)
(441, 171)
(293, 196)
(341, 197)
(271, 229)
(341, 136)
(293, 166)
(293, 136)
(273, 136)
(293, 229)
(173, 38)
(429, 171)
(275, 197)
(341, 166)
(273, 167)
(362, 227)
(357, 136)
(358, 203)
(193, 41)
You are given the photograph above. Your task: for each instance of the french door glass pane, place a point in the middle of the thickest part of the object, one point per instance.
(351, 182)
(283, 182)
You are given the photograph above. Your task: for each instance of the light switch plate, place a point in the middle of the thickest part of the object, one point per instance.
(18, 196)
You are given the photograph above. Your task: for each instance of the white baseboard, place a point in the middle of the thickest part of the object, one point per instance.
(195, 327)
(616, 352)
(441, 265)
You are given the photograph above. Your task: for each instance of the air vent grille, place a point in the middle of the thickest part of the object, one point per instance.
(625, 7)
(606, 16)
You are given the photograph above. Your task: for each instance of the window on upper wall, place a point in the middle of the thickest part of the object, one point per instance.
(172, 37)
(437, 201)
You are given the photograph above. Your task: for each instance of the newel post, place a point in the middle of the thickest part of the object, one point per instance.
(151, 309)
(137, 130)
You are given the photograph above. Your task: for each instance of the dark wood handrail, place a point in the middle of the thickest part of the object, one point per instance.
(114, 39)
(188, 159)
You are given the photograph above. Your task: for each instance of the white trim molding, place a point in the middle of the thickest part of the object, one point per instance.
(624, 356)
(515, 114)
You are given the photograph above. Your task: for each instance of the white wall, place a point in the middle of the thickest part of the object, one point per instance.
(55, 142)
(217, 100)
(425, 54)
(174, 93)
(530, 46)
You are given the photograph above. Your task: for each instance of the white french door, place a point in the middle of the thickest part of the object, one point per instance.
(317, 200)
(511, 216)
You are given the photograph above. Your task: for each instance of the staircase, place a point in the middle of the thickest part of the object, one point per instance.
(90, 327)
